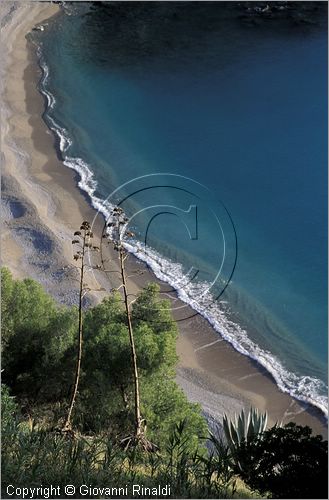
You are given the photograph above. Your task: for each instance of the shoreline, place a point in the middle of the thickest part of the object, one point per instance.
(50, 206)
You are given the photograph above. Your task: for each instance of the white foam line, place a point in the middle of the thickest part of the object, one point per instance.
(304, 388)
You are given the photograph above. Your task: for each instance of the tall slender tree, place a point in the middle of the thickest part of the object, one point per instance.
(82, 243)
(117, 225)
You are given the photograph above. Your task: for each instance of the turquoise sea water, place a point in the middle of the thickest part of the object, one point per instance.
(241, 109)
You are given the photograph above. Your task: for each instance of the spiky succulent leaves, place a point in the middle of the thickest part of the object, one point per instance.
(226, 429)
(251, 426)
(243, 427)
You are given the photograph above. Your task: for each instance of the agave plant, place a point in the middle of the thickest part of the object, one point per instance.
(243, 427)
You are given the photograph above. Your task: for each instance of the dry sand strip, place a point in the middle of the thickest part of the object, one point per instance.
(42, 206)
(36, 241)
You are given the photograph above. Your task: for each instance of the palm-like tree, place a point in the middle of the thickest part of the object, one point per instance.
(82, 243)
(117, 224)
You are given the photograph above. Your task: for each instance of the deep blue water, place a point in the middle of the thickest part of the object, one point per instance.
(240, 109)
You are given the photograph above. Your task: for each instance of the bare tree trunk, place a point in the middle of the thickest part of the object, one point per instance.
(67, 425)
(138, 419)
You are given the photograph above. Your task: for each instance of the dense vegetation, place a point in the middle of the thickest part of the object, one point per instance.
(38, 359)
(287, 461)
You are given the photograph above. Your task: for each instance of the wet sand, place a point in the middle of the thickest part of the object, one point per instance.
(42, 207)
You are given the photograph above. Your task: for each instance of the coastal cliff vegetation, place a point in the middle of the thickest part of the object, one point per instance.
(39, 360)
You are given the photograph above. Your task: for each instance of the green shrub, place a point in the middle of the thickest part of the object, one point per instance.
(286, 462)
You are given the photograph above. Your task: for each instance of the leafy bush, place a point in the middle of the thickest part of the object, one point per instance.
(38, 337)
(106, 390)
(286, 462)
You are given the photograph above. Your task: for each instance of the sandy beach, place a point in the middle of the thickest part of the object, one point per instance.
(42, 207)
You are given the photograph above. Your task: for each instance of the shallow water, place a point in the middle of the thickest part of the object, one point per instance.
(241, 110)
